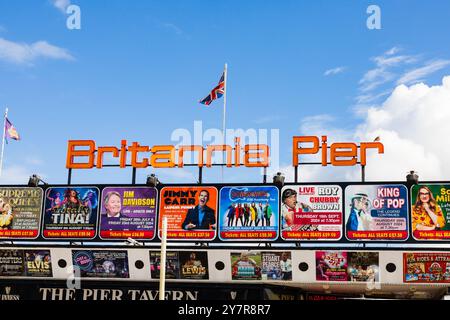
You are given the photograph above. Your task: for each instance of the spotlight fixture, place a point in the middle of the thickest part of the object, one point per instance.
(412, 178)
(132, 242)
(152, 180)
(34, 181)
(278, 180)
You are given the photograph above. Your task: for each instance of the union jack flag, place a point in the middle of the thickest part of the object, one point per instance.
(216, 93)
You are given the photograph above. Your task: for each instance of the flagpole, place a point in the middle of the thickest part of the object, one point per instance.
(224, 112)
(3, 141)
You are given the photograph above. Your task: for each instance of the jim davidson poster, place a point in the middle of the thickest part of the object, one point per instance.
(128, 212)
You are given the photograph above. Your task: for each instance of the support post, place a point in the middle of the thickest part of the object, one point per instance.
(133, 177)
(265, 175)
(69, 177)
(200, 175)
(162, 265)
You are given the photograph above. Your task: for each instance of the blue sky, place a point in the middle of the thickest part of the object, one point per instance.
(136, 70)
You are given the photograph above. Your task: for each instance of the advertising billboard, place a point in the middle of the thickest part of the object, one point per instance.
(128, 212)
(191, 213)
(347, 266)
(20, 212)
(261, 265)
(376, 212)
(25, 263)
(191, 265)
(430, 211)
(426, 267)
(70, 213)
(249, 213)
(101, 263)
(311, 212)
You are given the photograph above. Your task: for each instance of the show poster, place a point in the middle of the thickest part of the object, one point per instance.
(128, 212)
(194, 265)
(172, 264)
(246, 265)
(70, 213)
(430, 212)
(331, 266)
(311, 212)
(276, 266)
(363, 266)
(426, 267)
(376, 212)
(20, 212)
(11, 263)
(249, 213)
(101, 263)
(25, 263)
(347, 266)
(191, 213)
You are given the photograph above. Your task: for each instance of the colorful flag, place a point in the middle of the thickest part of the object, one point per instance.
(216, 93)
(10, 131)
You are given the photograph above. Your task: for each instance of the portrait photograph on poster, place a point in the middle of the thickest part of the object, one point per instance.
(376, 212)
(430, 212)
(128, 212)
(191, 212)
(311, 212)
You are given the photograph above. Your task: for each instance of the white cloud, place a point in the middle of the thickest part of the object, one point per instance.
(392, 51)
(61, 5)
(15, 175)
(412, 124)
(370, 97)
(23, 53)
(321, 124)
(387, 61)
(173, 28)
(334, 71)
(418, 74)
(383, 72)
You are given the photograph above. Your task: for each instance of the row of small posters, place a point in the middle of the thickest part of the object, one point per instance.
(341, 266)
(236, 213)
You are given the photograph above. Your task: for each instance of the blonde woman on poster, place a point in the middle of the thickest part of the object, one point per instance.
(6, 216)
(426, 213)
